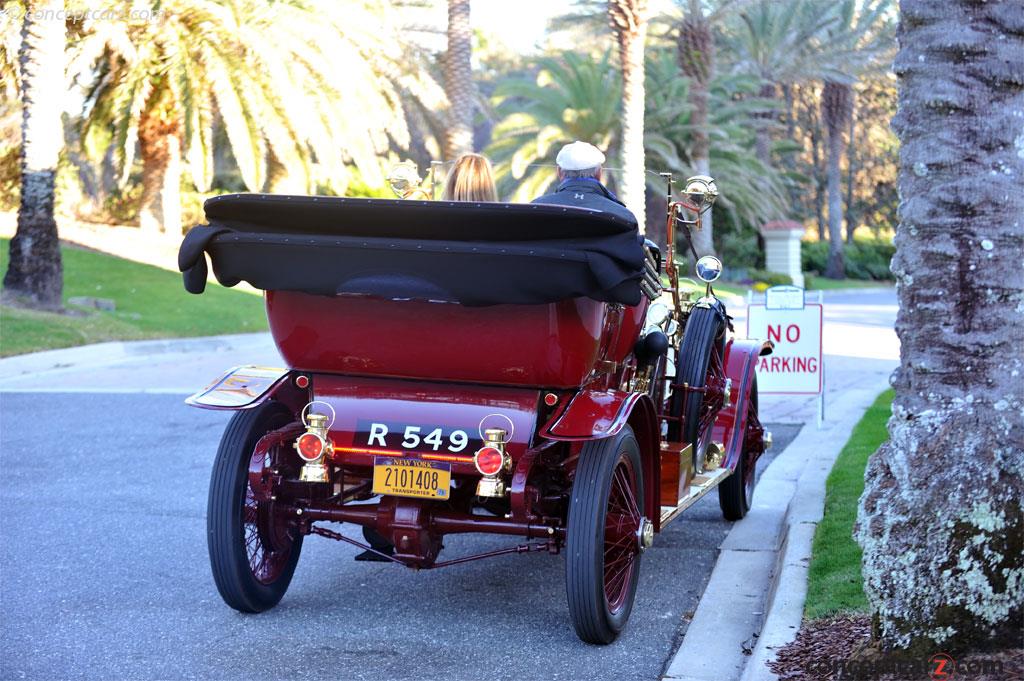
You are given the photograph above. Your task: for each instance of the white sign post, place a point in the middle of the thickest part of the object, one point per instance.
(796, 365)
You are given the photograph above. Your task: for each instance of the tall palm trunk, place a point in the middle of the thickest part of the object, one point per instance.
(697, 61)
(35, 272)
(160, 149)
(629, 21)
(762, 135)
(940, 520)
(851, 171)
(458, 80)
(835, 110)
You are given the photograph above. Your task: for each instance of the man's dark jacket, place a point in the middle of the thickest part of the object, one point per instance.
(586, 193)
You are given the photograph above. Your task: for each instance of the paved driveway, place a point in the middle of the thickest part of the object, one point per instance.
(105, 573)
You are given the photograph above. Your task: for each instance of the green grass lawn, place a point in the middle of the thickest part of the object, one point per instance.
(822, 284)
(834, 583)
(151, 303)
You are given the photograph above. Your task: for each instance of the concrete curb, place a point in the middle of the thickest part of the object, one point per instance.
(50, 362)
(753, 604)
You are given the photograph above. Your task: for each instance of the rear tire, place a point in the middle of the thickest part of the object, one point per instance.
(703, 335)
(602, 562)
(736, 493)
(252, 551)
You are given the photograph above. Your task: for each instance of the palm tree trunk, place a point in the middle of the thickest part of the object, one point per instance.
(160, 150)
(629, 20)
(696, 53)
(835, 108)
(851, 173)
(458, 80)
(940, 520)
(762, 135)
(35, 272)
(819, 185)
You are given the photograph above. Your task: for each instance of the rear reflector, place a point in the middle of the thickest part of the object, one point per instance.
(489, 461)
(310, 446)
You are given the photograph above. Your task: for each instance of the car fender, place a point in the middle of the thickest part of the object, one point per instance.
(597, 414)
(242, 387)
(740, 367)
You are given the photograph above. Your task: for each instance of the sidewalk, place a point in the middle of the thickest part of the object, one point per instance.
(177, 366)
(753, 604)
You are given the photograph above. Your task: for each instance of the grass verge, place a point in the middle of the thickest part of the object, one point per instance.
(150, 303)
(814, 283)
(834, 581)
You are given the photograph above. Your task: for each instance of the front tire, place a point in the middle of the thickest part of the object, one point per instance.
(700, 358)
(253, 552)
(602, 563)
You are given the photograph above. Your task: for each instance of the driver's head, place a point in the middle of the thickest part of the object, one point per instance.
(579, 159)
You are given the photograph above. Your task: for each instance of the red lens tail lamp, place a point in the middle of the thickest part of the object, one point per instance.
(314, 445)
(492, 461)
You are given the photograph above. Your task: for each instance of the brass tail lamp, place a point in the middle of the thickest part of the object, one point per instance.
(314, 446)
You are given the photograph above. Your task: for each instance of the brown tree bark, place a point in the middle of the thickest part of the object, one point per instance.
(835, 110)
(940, 520)
(628, 19)
(851, 168)
(35, 274)
(458, 80)
(696, 47)
(160, 151)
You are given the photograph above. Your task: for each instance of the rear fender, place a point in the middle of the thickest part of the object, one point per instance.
(597, 414)
(740, 365)
(247, 386)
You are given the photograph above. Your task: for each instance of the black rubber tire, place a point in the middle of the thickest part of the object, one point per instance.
(734, 496)
(584, 560)
(704, 334)
(224, 527)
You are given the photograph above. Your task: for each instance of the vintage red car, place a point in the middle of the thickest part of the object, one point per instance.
(458, 367)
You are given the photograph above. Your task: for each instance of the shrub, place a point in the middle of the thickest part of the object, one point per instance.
(864, 258)
(769, 278)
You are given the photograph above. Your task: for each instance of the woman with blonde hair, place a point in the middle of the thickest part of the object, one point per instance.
(470, 179)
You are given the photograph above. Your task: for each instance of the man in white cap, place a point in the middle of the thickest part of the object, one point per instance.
(579, 182)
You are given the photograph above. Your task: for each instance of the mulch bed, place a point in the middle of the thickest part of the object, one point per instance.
(840, 648)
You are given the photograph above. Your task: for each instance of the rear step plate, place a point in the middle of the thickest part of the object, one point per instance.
(701, 485)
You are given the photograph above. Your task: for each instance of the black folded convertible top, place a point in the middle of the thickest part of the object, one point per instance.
(470, 253)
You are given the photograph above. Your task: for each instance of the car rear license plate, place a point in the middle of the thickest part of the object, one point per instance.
(411, 478)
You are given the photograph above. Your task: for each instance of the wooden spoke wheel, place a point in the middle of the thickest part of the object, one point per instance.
(253, 549)
(602, 563)
(736, 493)
(701, 368)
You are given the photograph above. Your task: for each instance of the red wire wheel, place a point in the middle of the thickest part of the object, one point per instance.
(736, 492)
(602, 563)
(700, 366)
(253, 549)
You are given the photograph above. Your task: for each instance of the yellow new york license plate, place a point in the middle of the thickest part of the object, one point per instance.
(411, 478)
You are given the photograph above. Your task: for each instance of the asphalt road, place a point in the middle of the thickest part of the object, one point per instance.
(104, 573)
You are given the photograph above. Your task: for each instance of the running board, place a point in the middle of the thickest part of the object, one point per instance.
(701, 485)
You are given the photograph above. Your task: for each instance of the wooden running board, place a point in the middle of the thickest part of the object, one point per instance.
(701, 485)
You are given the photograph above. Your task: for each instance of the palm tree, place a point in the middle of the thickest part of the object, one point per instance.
(572, 98)
(35, 272)
(578, 98)
(696, 52)
(304, 86)
(628, 19)
(783, 43)
(458, 80)
(940, 520)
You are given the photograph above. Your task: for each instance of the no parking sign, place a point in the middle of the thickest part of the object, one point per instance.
(795, 366)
